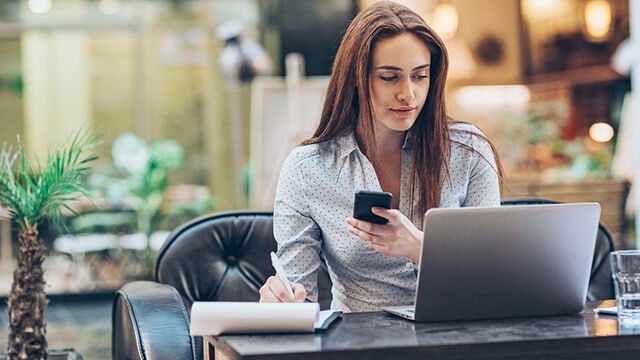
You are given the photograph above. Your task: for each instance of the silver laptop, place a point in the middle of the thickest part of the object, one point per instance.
(509, 261)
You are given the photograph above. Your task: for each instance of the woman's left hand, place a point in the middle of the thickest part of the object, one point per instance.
(398, 237)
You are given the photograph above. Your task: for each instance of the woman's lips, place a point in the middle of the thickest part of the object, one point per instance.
(404, 111)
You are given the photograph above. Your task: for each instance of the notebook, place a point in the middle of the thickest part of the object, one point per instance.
(509, 261)
(249, 317)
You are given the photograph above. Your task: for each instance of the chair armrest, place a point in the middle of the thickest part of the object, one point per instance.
(149, 321)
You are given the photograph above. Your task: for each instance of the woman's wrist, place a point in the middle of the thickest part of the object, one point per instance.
(417, 248)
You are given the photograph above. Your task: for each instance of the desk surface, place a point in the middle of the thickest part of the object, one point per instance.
(377, 335)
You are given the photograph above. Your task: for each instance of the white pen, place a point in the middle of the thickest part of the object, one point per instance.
(280, 273)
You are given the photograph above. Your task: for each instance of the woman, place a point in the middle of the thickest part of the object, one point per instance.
(384, 128)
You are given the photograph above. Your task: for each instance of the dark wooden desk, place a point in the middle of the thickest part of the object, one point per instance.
(377, 335)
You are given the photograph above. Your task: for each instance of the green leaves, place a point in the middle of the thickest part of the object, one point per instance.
(145, 167)
(30, 190)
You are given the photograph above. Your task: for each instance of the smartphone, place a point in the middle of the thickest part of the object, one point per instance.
(365, 200)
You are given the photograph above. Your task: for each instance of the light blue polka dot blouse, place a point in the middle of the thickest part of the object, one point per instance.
(315, 195)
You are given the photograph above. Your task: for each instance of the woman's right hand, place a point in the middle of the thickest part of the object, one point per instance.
(274, 290)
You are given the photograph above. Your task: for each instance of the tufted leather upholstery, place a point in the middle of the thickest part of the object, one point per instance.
(217, 257)
(600, 281)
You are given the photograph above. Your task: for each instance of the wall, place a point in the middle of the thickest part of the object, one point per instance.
(497, 33)
(10, 91)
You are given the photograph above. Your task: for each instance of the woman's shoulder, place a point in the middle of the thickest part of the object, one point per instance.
(339, 144)
(305, 150)
(302, 153)
(457, 126)
(465, 132)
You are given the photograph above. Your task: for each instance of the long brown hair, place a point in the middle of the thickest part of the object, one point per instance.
(347, 98)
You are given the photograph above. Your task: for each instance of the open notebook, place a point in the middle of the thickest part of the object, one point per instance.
(509, 261)
(219, 317)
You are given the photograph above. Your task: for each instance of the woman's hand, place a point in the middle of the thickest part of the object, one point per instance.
(398, 237)
(274, 290)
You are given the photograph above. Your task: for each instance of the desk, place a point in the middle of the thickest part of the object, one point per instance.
(377, 335)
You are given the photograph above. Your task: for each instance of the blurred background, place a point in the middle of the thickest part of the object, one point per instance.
(207, 97)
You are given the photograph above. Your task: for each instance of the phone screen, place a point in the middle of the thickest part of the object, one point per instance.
(365, 200)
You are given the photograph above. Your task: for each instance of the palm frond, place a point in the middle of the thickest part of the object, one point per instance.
(10, 194)
(31, 190)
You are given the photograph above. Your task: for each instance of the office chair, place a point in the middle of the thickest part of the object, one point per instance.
(216, 257)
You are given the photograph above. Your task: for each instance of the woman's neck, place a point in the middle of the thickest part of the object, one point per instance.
(388, 142)
(388, 162)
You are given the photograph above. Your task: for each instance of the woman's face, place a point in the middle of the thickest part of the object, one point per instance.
(399, 81)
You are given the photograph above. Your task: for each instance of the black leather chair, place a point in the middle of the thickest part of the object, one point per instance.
(217, 257)
(600, 281)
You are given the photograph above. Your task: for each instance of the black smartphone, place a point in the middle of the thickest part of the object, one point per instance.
(365, 200)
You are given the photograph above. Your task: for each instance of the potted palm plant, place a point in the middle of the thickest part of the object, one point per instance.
(29, 192)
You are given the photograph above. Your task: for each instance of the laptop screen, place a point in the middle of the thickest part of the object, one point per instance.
(510, 261)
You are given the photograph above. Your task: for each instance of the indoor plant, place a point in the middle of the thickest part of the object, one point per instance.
(140, 181)
(31, 191)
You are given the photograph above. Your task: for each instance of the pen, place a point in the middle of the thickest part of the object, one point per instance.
(281, 274)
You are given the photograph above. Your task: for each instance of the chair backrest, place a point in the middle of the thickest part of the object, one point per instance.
(600, 281)
(223, 256)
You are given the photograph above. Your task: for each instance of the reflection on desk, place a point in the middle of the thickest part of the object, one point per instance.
(378, 335)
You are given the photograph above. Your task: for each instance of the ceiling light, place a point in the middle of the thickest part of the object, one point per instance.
(601, 132)
(39, 6)
(597, 19)
(445, 20)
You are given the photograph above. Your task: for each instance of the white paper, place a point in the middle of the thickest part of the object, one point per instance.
(613, 310)
(217, 317)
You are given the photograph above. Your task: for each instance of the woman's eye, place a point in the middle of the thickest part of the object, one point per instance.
(388, 77)
(421, 77)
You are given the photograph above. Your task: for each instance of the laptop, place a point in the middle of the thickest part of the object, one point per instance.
(501, 262)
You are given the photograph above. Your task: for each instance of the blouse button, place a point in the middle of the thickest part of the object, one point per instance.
(408, 265)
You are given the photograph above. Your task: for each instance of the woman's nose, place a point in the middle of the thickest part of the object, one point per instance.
(406, 90)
